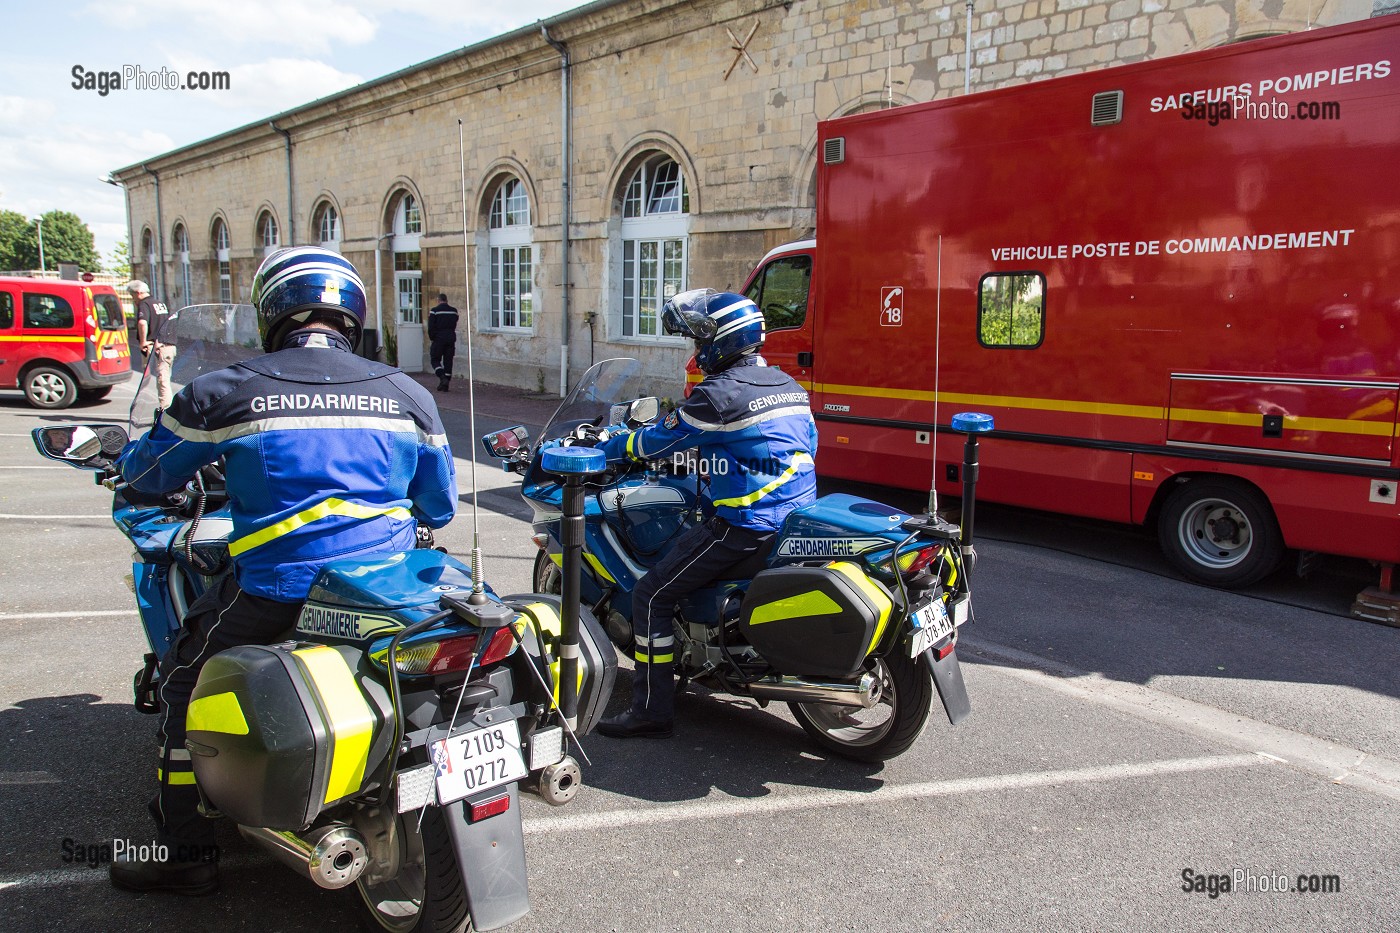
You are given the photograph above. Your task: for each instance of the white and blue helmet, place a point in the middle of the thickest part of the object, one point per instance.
(724, 326)
(294, 284)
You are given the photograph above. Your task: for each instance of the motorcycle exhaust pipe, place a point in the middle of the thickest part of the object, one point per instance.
(332, 856)
(864, 693)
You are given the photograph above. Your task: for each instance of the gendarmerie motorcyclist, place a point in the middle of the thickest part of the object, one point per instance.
(753, 427)
(327, 456)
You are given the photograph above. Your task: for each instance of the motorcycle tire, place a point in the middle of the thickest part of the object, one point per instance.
(546, 578)
(886, 730)
(427, 895)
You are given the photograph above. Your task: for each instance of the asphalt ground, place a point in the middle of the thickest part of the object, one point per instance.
(1127, 726)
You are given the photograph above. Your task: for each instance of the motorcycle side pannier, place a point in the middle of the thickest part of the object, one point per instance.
(597, 662)
(279, 733)
(815, 620)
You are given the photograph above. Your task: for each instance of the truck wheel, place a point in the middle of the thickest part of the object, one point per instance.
(1220, 532)
(427, 895)
(94, 395)
(883, 731)
(50, 387)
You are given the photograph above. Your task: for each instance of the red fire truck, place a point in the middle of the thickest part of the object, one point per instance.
(1176, 285)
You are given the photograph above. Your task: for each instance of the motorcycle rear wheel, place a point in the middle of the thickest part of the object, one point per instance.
(427, 895)
(886, 730)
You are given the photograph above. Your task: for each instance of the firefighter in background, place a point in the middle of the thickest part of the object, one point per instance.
(150, 315)
(442, 339)
(753, 427)
(329, 481)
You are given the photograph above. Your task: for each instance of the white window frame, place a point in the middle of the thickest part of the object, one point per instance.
(221, 256)
(333, 241)
(269, 235)
(408, 228)
(182, 255)
(511, 250)
(654, 220)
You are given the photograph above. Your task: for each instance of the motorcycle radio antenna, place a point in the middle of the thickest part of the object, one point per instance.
(478, 586)
(937, 358)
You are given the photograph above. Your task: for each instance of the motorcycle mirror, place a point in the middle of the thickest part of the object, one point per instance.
(504, 445)
(643, 411)
(78, 444)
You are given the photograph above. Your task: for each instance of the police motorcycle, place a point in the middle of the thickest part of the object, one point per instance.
(852, 617)
(382, 744)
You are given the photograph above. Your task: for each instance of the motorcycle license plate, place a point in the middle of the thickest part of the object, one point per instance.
(477, 760)
(931, 625)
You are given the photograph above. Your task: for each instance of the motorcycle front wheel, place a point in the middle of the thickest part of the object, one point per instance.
(885, 730)
(427, 895)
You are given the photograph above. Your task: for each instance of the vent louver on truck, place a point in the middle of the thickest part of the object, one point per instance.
(834, 150)
(1108, 108)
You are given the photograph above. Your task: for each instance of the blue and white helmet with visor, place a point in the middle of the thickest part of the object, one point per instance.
(725, 327)
(294, 286)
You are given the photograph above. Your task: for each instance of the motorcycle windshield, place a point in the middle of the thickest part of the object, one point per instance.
(193, 340)
(603, 386)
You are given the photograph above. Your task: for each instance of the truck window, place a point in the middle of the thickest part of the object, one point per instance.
(109, 312)
(1011, 310)
(781, 291)
(47, 312)
(7, 310)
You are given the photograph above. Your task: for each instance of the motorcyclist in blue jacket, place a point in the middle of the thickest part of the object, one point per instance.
(752, 425)
(326, 455)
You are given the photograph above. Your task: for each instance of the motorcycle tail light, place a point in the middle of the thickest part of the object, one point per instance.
(453, 653)
(495, 805)
(917, 561)
(943, 651)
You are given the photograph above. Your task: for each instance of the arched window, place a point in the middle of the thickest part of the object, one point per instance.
(510, 241)
(267, 232)
(223, 266)
(328, 227)
(182, 256)
(148, 254)
(408, 262)
(655, 231)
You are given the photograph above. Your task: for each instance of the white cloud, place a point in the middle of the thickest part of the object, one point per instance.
(478, 19)
(309, 25)
(262, 88)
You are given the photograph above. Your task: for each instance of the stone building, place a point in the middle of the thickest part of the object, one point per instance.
(676, 136)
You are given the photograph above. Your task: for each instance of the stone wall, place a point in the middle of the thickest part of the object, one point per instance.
(647, 76)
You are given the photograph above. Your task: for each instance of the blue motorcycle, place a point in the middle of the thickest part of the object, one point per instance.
(382, 743)
(852, 616)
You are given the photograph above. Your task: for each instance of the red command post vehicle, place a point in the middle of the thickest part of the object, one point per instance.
(1175, 284)
(61, 341)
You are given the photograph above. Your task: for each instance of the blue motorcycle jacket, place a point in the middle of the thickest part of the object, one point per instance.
(327, 455)
(753, 427)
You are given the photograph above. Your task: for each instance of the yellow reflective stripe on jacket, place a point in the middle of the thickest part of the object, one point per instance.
(317, 512)
(798, 460)
(218, 712)
(349, 716)
(632, 447)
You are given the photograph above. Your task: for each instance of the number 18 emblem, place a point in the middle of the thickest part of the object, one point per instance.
(892, 306)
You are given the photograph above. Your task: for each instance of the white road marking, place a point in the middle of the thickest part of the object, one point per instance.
(74, 614)
(45, 518)
(28, 777)
(1337, 763)
(728, 808)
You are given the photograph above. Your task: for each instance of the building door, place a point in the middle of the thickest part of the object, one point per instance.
(408, 286)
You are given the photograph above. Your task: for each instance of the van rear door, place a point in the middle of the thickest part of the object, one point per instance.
(108, 337)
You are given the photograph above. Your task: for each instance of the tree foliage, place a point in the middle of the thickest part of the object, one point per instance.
(13, 227)
(1012, 312)
(120, 263)
(66, 239)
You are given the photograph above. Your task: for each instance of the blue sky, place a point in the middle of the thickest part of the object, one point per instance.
(56, 141)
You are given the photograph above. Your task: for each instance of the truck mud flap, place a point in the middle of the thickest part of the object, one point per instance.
(947, 677)
(491, 856)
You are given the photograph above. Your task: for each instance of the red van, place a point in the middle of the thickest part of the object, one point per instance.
(61, 341)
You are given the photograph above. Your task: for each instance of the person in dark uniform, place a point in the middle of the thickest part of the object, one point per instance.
(348, 474)
(442, 339)
(753, 427)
